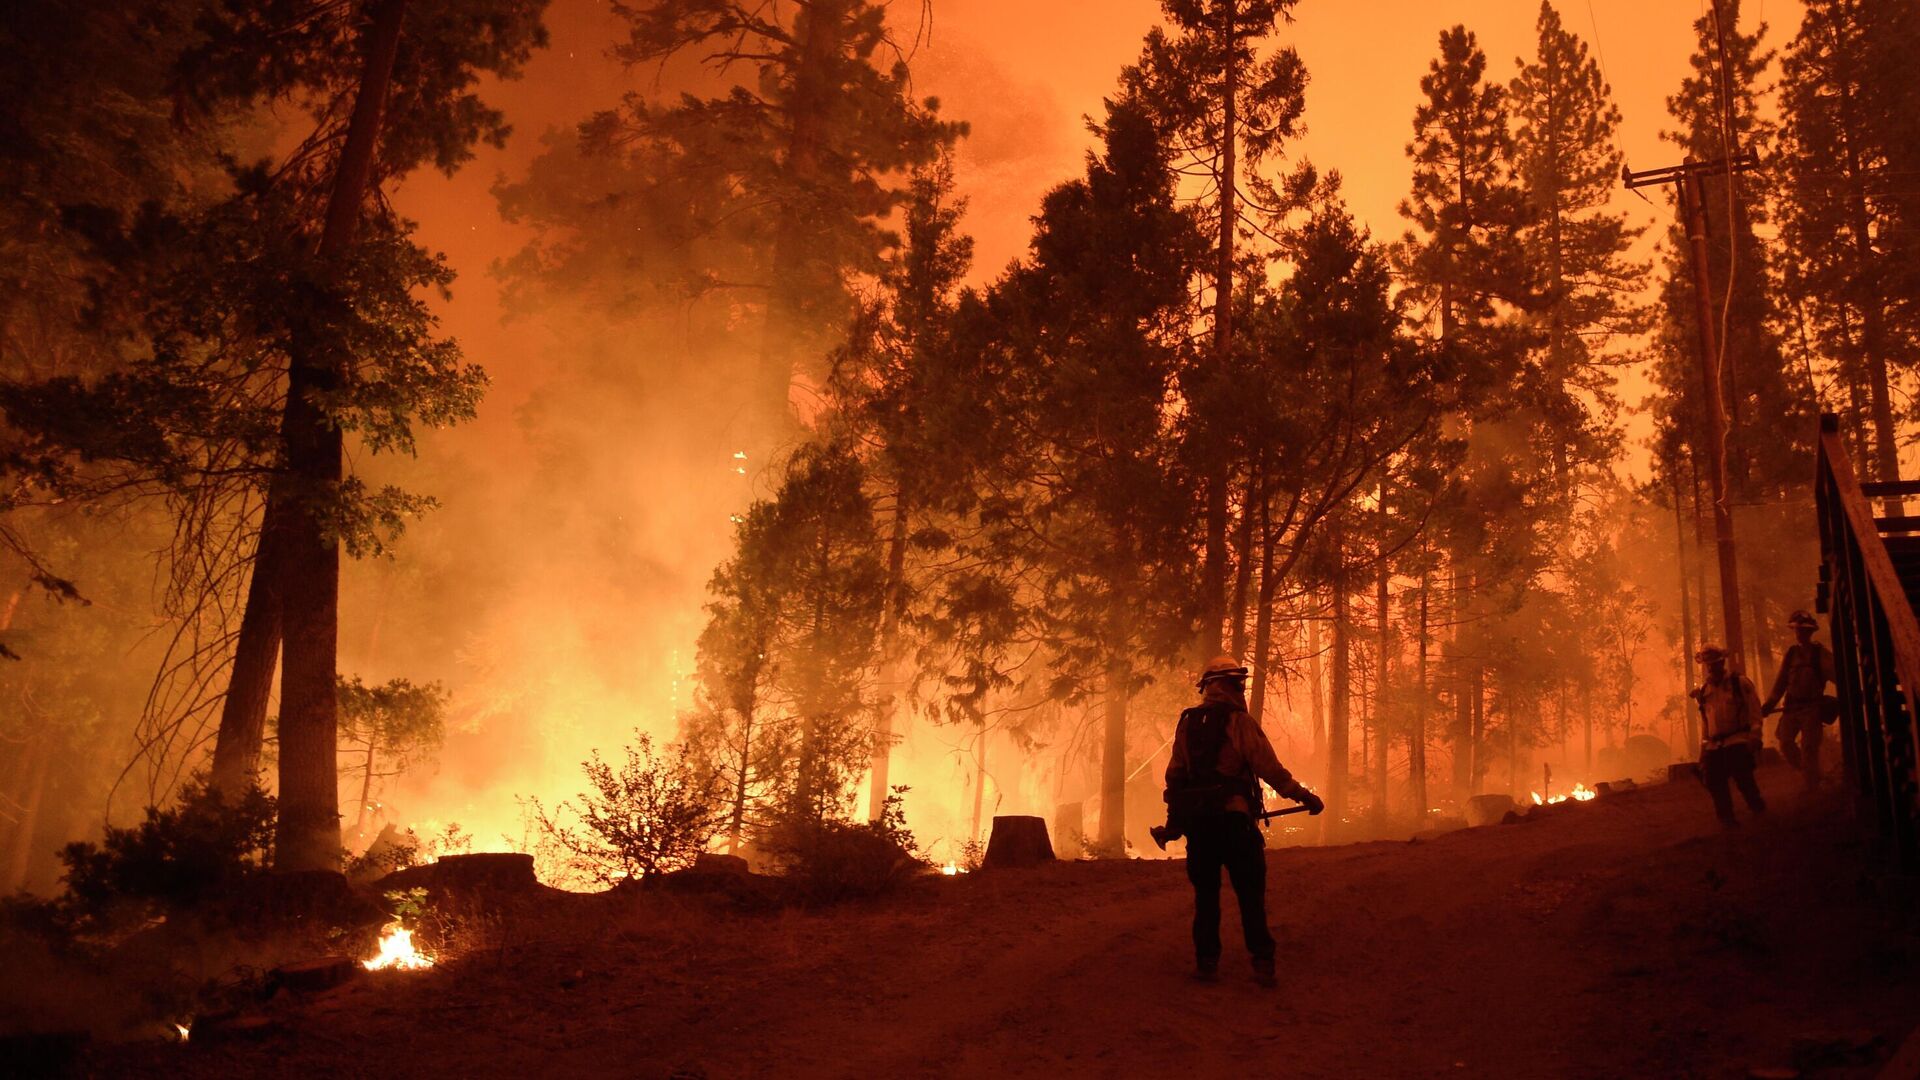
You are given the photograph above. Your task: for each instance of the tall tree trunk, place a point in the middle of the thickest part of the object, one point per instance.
(308, 837)
(889, 639)
(807, 791)
(822, 26)
(1762, 646)
(1215, 568)
(1477, 690)
(1382, 740)
(1873, 339)
(1316, 671)
(1464, 750)
(979, 782)
(1263, 618)
(1113, 757)
(1417, 738)
(1514, 777)
(1118, 689)
(1243, 572)
(256, 655)
(1686, 612)
(1586, 721)
(1341, 690)
(366, 788)
(26, 831)
(737, 819)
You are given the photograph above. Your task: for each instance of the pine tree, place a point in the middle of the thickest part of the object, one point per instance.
(892, 387)
(1567, 163)
(1466, 273)
(1337, 395)
(1717, 114)
(1466, 260)
(1091, 507)
(788, 655)
(293, 598)
(1212, 93)
(813, 134)
(1841, 207)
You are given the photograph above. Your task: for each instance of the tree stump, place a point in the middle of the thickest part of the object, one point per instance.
(1488, 809)
(1018, 841)
(711, 862)
(310, 976)
(504, 871)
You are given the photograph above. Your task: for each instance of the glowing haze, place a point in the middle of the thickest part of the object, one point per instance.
(559, 600)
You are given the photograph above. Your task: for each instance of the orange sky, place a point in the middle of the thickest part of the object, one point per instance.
(1025, 73)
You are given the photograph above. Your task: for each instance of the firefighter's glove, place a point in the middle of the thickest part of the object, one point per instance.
(1309, 800)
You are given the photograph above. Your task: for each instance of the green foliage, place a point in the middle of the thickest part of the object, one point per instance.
(1847, 208)
(770, 191)
(1568, 164)
(396, 719)
(1182, 81)
(175, 859)
(1467, 258)
(1717, 112)
(793, 629)
(652, 814)
(824, 861)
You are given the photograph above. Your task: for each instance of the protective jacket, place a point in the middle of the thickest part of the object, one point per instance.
(1804, 674)
(1730, 707)
(1240, 755)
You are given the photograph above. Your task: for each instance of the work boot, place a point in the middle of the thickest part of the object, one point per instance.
(1263, 971)
(1206, 969)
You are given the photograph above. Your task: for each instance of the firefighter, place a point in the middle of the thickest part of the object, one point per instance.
(1220, 755)
(1804, 674)
(1730, 728)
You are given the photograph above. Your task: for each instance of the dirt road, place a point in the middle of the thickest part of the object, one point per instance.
(1627, 937)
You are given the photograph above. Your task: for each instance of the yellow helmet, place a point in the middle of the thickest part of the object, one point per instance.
(1222, 667)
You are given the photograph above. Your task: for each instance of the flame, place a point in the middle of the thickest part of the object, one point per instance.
(397, 952)
(1580, 793)
(184, 1031)
(951, 870)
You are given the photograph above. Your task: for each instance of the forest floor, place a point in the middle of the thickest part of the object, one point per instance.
(1625, 937)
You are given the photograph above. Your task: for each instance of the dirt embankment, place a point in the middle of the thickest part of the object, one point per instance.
(1628, 937)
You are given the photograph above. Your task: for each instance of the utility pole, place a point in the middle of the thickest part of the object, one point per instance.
(1690, 177)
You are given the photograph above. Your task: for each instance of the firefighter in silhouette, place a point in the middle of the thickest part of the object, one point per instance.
(1804, 674)
(1220, 755)
(1730, 726)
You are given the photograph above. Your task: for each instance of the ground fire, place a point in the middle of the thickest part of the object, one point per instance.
(835, 537)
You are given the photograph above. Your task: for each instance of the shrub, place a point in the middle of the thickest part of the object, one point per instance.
(200, 847)
(825, 861)
(654, 814)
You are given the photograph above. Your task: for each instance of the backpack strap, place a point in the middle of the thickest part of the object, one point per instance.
(1206, 731)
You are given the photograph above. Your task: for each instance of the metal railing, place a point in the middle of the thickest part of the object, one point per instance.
(1866, 589)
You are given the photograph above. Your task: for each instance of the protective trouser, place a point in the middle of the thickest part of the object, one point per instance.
(1731, 764)
(1800, 736)
(1231, 842)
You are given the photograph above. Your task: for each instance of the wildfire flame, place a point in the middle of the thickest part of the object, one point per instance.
(1580, 793)
(185, 1031)
(951, 869)
(397, 952)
